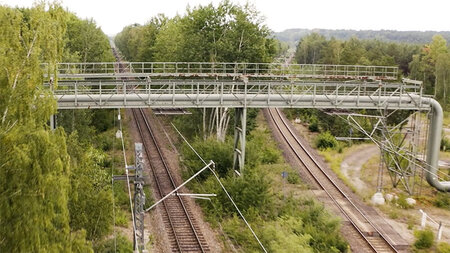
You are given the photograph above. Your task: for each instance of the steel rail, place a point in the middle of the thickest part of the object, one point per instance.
(339, 206)
(167, 170)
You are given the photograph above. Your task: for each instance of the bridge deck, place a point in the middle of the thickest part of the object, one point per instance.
(215, 93)
(221, 69)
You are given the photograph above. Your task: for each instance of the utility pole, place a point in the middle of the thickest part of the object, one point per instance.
(139, 199)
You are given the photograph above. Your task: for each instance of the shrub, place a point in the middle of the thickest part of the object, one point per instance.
(325, 140)
(445, 144)
(313, 124)
(122, 245)
(401, 202)
(442, 200)
(293, 178)
(121, 218)
(443, 247)
(424, 239)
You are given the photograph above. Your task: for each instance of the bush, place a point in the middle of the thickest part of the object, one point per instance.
(442, 200)
(313, 124)
(424, 239)
(443, 247)
(325, 140)
(401, 202)
(293, 178)
(445, 144)
(107, 246)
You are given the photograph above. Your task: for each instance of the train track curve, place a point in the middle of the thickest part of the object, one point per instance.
(370, 237)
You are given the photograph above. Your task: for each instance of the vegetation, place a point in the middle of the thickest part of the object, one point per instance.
(226, 33)
(424, 239)
(412, 37)
(429, 63)
(326, 140)
(56, 191)
(284, 223)
(35, 166)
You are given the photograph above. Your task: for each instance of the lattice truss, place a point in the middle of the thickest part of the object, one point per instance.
(402, 140)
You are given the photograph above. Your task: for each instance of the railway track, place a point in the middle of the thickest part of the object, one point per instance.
(182, 229)
(369, 236)
(183, 232)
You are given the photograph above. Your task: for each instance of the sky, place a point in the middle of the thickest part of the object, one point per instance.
(405, 15)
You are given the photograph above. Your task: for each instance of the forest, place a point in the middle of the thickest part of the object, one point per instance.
(413, 37)
(55, 185)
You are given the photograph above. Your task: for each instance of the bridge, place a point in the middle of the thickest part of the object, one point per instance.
(242, 86)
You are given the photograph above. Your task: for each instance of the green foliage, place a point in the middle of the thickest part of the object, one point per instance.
(411, 37)
(424, 239)
(122, 218)
(90, 202)
(316, 48)
(260, 150)
(401, 201)
(289, 225)
(35, 168)
(313, 124)
(136, 42)
(210, 149)
(120, 245)
(34, 184)
(319, 224)
(445, 144)
(431, 65)
(293, 178)
(325, 140)
(442, 200)
(227, 33)
(443, 247)
(79, 243)
(85, 42)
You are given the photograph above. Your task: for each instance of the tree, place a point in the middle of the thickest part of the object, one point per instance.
(34, 164)
(226, 33)
(353, 52)
(85, 41)
(431, 63)
(310, 49)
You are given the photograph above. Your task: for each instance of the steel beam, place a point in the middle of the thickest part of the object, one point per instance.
(240, 129)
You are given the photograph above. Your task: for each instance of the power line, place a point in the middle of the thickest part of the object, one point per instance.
(223, 188)
(128, 178)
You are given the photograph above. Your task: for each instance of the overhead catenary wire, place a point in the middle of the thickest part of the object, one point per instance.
(223, 188)
(112, 187)
(128, 179)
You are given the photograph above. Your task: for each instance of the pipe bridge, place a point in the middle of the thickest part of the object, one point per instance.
(242, 86)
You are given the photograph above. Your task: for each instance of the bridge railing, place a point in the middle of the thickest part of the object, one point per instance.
(201, 87)
(165, 69)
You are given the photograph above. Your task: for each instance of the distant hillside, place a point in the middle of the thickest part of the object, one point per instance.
(293, 35)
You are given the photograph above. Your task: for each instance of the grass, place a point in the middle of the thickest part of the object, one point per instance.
(334, 160)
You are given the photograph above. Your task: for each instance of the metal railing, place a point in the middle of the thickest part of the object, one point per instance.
(204, 69)
(190, 93)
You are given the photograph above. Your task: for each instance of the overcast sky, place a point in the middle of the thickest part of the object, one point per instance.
(113, 15)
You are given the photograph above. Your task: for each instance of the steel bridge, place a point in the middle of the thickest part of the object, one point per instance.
(242, 86)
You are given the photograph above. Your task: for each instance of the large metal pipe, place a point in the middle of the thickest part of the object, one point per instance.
(405, 102)
(434, 143)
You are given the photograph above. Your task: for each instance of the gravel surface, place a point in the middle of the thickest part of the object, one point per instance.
(156, 225)
(352, 164)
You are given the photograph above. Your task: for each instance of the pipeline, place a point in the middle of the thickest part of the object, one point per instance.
(410, 102)
(434, 143)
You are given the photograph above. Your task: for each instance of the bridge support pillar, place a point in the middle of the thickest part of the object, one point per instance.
(53, 122)
(240, 128)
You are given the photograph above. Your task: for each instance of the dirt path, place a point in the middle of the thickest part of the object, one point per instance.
(352, 164)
